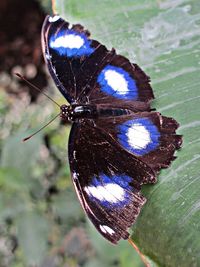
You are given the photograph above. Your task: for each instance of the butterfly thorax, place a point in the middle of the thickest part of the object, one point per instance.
(78, 111)
(75, 111)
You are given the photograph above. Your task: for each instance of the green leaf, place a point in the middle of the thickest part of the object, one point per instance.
(11, 180)
(163, 37)
(32, 233)
(66, 206)
(19, 155)
(11, 205)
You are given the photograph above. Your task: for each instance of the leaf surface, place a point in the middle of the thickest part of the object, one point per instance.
(163, 37)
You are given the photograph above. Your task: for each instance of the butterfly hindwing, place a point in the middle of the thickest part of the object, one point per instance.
(151, 137)
(110, 158)
(107, 180)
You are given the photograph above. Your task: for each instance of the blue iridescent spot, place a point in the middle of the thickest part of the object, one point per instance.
(71, 44)
(139, 136)
(111, 191)
(117, 82)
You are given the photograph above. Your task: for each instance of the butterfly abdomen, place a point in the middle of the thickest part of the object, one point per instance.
(104, 111)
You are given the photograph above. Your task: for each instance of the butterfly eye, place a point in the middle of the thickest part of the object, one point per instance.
(64, 108)
(65, 111)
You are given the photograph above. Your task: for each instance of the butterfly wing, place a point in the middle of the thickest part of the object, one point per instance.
(119, 83)
(149, 136)
(65, 48)
(111, 158)
(107, 180)
(85, 71)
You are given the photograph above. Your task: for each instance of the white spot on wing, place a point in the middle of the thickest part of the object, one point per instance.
(74, 154)
(75, 175)
(68, 41)
(47, 56)
(106, 229)
(117, 81)
(54, 18)
(112, 193)
(138, 136)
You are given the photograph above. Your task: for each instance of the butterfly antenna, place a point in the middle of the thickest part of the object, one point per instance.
(30, 136)
(139, 252)
(36, 88)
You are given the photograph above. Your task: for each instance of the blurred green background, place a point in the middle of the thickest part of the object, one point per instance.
(41, 221)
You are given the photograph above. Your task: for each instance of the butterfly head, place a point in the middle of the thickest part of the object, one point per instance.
(77, 111)
(65, 113)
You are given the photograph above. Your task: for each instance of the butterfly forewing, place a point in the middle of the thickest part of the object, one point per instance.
(86, 72)
(66, 48)
(117, 80)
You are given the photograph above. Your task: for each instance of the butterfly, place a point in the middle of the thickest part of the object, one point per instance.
(117, 142)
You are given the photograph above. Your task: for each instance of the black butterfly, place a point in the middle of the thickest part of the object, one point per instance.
(117, 143)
